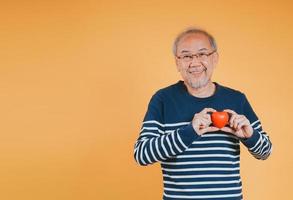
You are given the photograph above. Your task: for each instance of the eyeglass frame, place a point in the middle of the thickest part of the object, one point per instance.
(196, 55)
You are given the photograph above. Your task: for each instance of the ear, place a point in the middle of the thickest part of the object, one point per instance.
(215, 58)
(177, 64)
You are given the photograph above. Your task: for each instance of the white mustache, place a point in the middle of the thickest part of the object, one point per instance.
(201, 70)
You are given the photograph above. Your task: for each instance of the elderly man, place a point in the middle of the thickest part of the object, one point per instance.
(198, 159)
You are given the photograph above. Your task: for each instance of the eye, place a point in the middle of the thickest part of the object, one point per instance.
(202, 54)
(187, 56)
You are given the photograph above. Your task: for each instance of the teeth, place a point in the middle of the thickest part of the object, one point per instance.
(196, 72)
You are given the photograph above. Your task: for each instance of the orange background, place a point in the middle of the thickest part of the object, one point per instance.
(76, 78)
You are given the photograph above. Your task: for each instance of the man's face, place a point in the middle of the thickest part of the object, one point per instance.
(196, 71)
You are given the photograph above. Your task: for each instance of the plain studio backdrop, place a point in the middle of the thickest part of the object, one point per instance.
(76, 78)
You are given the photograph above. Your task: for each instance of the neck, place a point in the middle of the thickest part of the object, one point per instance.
(202, 92)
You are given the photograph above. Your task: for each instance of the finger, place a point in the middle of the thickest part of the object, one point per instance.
(231, 122)
(204, 122)
(239, 133)
(200, 127)
(242, 123)
(206, 110)
(210, 129)
(208, 117)
(201, 123)
(213, 128)
(237, 120)
(230, 111)
(196, 121)
(227, 129)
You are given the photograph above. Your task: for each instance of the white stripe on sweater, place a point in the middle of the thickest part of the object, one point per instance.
(152, 151)
(202, 189)
(165, 125)
(202, 196)
(170, 146)
(202, 169)
(215, 142)
(208, 155)
(252, 124)
(202, 175)
(212, 148)
(202, 182)
(200, 162)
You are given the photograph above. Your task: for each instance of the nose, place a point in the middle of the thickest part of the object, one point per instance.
(195, 60)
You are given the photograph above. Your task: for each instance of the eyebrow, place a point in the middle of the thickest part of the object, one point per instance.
(186, 51)
(203, 49)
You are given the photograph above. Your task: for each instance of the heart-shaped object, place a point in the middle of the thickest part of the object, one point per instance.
(220, 119)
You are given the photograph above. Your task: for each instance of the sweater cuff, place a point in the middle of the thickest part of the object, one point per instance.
(188, 134)
(251, 142)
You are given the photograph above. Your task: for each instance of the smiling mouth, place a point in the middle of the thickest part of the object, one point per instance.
(196, 72)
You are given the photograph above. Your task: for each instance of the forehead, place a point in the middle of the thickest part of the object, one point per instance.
(193, 42)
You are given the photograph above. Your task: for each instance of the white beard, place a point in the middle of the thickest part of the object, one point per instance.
(198, 84)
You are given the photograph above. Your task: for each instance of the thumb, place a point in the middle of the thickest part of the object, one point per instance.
(210, 129)
(227, 129)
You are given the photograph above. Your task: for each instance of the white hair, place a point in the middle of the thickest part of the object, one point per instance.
(193, 31)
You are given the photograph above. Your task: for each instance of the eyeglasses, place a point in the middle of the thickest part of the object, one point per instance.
(200, 56)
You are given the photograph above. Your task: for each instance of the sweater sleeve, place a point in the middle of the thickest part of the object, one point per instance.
(259, 144)
(154, 143)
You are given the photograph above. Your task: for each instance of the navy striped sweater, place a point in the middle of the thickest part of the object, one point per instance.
(193, 166)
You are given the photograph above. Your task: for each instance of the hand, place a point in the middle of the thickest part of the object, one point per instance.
(239, 125)
(202, 120)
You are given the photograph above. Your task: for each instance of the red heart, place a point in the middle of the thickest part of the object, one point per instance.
(220, 119)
